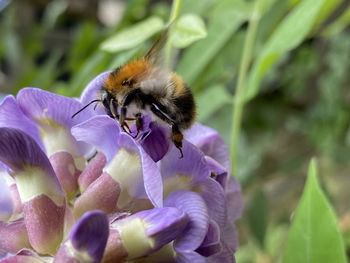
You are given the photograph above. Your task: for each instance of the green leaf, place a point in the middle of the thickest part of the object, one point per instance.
(289, 34)
(133, 36)
(224, 20)
(314, 236)
(258, 216)
(188, 29)
(211, 100)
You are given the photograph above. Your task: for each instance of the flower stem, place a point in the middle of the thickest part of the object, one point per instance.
(175, 12)
(238, 99)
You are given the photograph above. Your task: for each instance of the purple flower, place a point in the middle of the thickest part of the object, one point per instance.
(83, 190)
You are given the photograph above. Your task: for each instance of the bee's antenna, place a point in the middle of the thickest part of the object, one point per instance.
(83, 108)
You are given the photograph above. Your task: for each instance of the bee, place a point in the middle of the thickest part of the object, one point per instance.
(144, 86)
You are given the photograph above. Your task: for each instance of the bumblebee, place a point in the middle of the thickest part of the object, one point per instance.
(143, 87)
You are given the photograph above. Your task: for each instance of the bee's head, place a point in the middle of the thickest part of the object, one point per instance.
(127, 76)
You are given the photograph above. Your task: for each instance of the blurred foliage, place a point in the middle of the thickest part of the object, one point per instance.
(298, 85)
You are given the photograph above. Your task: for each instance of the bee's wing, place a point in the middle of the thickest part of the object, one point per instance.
(155, 55)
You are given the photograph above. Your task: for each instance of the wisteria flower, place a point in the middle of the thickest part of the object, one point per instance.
(83, 190)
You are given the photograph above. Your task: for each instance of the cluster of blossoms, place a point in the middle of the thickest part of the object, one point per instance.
(82, 190)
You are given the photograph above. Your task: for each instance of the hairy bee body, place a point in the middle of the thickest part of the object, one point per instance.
(153, 86)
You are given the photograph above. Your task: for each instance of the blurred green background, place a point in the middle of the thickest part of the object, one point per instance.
(301, 110)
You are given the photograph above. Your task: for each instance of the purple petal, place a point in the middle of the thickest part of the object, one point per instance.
(215, 167)
(210, 142)
(22, 154)
(6, 203)
(53, 113)
(218, 172)
(39, 104)
(229, 236)
(93, 90)
(90, 234)
(211, 244)
(12, 116)
(226, 255)
(214, 197)
(193, 205)
(234, 199)
(101, 132)
(162, 224)
(191, 257)
(156, 143)
(18, 150)
(193, 163)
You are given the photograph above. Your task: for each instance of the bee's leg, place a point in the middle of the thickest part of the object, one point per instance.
(177, 137)
(113, 107)
(125, 124)
(122, 120)
(122, 116)
(138, 123)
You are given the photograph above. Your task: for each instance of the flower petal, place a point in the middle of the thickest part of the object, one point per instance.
(23, 155)
(156, 143)
(13, 236)
(226, 255)
(190, 257)
(115, 251)
(193, 205)
(234, 199)
(214, 197)
(22, 259)
(147, 231)
(66, 172)
(101, 194)
(211, 244)
(193, 163)
(137, 174)
(6, 203)
(93, 90)
(53, 113)
(45, 223)
(101, 132)
(161, 226)
(210, 142)
(92, 171)
(229, 236)
(90, 234)
(12, 116)
(16, 199)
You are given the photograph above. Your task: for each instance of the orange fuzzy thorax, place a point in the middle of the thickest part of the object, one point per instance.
(133, 70)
